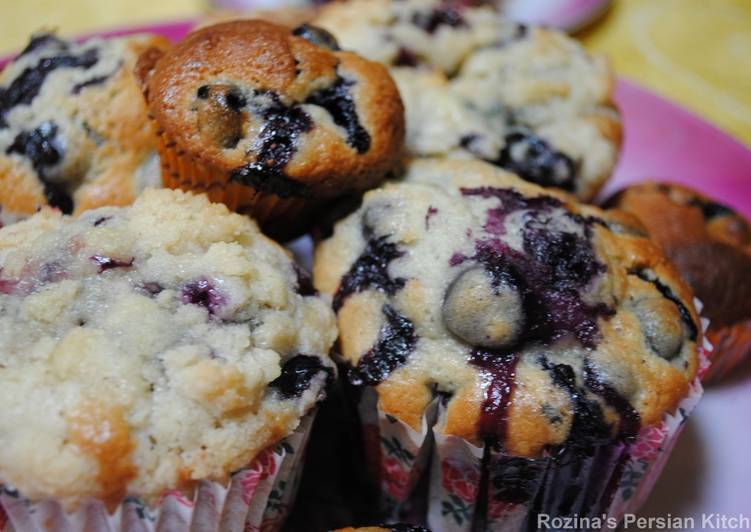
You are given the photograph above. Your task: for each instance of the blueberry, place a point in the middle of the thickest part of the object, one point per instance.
(297, 373)
(338, 101)
(43, 40)
(24, 88)
(370, 271)
(43, 150)
(630, 419)
(96, 80)
(396, 340)
(276, 146)
(202, 292)
(667, 293)
(219, 114)
(40, 146)
(711, 209)
(440, 16)
(588, 426)
(534, 160)
(318, 36)
(304, 282)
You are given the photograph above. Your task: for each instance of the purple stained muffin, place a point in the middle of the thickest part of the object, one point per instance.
(509, 325)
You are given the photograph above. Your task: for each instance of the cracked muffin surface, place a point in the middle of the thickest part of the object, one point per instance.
(148, 347)
(265, 110)
(537, 320)
(74, 131)
(476, 85)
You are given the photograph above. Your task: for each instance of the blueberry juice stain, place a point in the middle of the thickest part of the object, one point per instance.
(499, 374)
(550, 273)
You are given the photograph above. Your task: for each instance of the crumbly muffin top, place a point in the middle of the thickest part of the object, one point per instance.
(477, 85)
(147, 347)
(74, 131)
(282, 110)
(709, 243)
(539, 321)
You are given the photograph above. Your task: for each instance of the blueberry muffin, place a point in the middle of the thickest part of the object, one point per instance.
(538, 324)
(148, 347)
(710, 244)
(74, 131)
(477, 85)
(272, 121)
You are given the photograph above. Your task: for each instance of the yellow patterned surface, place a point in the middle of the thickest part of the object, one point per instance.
(697, 52)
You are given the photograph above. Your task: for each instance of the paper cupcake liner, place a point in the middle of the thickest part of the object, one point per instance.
(256, 499)
(471, 488)
(183, 171)
(732, 346)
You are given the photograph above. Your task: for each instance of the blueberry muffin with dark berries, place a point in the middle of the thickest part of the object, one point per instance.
(710, 244)
(272, 121)
(540, 324)
(74, 131)
(477, 85)
(148, 347)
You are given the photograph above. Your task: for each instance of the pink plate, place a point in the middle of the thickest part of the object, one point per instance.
(709, 470)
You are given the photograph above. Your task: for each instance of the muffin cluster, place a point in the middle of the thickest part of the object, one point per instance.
(149, 347)
(508, 351)
(540, 322)
(74, 132)
(477, 85)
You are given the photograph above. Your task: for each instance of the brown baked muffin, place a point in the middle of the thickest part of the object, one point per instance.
(487, 314)
(272, 122)
(710, 244)
(74, 130)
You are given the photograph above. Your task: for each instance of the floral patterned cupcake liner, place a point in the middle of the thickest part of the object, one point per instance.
(256, 499)
(471, 488)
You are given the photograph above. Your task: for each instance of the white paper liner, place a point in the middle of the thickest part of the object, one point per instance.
(256, 499)
(612, 479)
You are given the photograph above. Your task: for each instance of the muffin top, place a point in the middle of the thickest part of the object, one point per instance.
(74, 130)
(709, 243)
(281, 110)
(538, 321)
(476, 85)
(147, 347)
